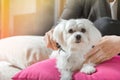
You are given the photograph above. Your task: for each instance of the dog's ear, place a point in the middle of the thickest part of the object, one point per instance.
(94, 34)
(62, 20)
(58, 33)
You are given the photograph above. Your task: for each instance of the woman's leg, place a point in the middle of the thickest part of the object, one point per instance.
(108, 26)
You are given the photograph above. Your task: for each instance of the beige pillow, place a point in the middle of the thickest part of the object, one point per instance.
(23, 51)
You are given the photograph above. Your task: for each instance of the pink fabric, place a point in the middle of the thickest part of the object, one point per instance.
(46, 70)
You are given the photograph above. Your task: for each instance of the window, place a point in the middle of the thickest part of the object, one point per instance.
(28, 17)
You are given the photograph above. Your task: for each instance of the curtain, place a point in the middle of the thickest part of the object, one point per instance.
(4, 26)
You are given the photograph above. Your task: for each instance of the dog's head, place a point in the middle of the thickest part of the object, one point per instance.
(76, 33)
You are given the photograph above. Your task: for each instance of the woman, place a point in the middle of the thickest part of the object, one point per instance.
(99, 12)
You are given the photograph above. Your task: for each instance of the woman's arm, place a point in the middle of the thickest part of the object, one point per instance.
(108, 47)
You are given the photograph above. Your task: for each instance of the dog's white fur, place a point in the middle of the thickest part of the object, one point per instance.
(71, 57)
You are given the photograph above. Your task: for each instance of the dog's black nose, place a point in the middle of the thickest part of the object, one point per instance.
(78, 37)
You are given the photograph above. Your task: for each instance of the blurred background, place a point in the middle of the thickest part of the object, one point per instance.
(28, 17)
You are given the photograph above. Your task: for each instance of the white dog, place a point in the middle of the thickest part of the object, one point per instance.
(76, 37)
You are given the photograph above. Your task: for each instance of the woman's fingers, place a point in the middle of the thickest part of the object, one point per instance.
(92, 52)
(49, 40)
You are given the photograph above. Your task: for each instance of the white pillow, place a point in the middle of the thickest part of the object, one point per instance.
(7, 71)
(23, 51)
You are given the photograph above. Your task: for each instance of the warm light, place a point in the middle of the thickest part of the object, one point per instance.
(4, 18)
(26, 17)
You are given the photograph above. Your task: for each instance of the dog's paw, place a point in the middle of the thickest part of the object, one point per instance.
(88, 69)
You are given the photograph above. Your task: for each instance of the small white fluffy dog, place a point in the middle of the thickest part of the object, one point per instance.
(76, 37)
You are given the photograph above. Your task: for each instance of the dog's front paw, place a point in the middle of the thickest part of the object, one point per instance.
(88, 69)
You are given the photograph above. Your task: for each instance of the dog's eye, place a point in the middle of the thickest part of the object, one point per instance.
(83, 30)
(70, 31)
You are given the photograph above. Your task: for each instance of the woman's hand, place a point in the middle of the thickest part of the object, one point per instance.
(108, 47)
(49, 40)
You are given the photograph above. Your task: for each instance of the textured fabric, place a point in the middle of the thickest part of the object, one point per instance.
(90, 9)
(46, 70)
(23, 51)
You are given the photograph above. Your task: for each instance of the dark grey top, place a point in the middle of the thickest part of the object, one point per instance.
(90, 9)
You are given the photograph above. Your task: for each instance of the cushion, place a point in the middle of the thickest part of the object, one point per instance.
(23, 51)
(46, 70)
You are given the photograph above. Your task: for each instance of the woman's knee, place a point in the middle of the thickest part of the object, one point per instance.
(108, 26)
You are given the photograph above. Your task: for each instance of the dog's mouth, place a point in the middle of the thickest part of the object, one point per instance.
(77, 41)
